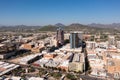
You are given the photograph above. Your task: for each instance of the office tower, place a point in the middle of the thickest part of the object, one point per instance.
(80, 36)
(74, 40)
(111, 40)
(60, 36)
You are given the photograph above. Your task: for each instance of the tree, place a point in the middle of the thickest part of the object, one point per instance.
(59, 69)
(70, 76)
(42, 72)
(56, 75)
(23, 77)
(31, 69)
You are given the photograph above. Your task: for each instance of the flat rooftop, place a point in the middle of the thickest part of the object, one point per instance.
(7, 67)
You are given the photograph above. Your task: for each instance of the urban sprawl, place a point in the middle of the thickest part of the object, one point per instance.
(59, 55)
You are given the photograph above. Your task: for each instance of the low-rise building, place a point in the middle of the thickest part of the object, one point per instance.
(7, 50)
(49, 56)
(64, 65)
(7, 67)
(75, 66)
(113, 66)
(30, 59)
(52, 63)
(35, 78)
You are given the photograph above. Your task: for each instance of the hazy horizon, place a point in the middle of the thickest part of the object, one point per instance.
(60, 23)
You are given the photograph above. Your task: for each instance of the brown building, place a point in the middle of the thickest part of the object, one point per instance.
(60, 36)
(37, 49)
(32, 47)
(49, 56)
(27, 46)
(113, 66)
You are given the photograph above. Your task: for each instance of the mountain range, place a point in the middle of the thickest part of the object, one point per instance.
(72, 27)
(113, 25)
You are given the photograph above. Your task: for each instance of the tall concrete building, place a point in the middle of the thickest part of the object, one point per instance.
(74, 40)
(80, 36)
(60, 36)
(111, 40)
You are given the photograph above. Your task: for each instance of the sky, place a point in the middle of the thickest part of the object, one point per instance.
(44, 12)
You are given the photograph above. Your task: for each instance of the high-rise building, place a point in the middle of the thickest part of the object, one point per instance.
(60, 36)
(80, 36)
(111, 40)
(74, 40)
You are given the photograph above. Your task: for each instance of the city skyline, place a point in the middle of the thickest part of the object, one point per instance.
(43, 12)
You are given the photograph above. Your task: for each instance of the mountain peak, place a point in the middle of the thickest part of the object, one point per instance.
(59, 25)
